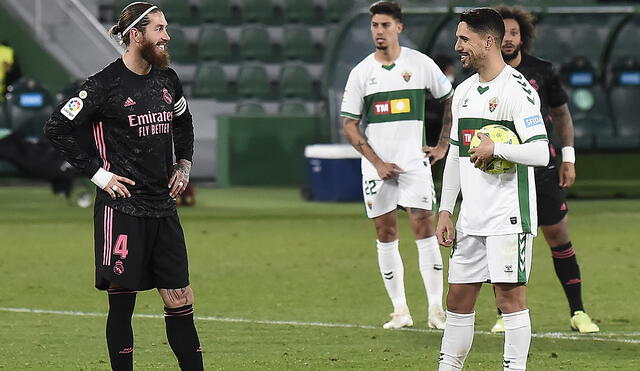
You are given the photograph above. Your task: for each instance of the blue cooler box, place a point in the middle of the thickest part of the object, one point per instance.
(334, 172)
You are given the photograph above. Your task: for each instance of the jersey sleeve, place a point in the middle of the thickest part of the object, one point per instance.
(435, 81)
(182, 122)
(70, 115)
(353, 97)
(525, 110)
(556, 93)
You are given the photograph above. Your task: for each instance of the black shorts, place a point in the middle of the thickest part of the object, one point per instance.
(551, 198)
(139, 253)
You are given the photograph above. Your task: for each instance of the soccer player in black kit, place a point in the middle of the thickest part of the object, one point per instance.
(139, 118)
(550, 180)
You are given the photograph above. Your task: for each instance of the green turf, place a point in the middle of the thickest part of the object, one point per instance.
(265, 255)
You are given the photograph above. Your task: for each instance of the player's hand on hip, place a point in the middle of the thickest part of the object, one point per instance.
(483, 153)
(116, 188)
(567, 174)
(445, 230)
(388, 170)
(179, 178)
(436, 153)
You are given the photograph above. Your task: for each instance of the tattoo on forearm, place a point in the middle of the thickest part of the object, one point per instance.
(183, 166)
(360, 146)
(446, 124)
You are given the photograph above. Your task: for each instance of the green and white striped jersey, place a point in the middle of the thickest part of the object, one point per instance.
(392, 99)
(496, 204)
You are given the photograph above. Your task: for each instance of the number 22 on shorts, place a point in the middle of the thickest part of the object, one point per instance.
(370, 187)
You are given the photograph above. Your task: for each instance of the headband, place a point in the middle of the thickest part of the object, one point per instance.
(137, 20)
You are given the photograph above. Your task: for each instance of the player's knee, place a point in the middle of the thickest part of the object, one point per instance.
(510, 298)
(459, 302)
(175, 298)
(386, 233)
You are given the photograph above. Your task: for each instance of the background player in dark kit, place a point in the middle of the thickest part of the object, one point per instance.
(550, 180)
(139, 118)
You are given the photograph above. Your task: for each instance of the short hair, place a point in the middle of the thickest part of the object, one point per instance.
(525, 21)
(390, 8)
(484, 20)
(129, 14)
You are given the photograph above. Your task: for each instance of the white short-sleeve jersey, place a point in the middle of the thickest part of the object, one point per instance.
(496, 204)
(392, 99)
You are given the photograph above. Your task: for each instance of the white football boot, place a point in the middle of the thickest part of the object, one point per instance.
(436, 318)
(399, 319)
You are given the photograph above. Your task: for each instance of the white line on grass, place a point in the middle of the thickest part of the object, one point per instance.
(541, 335)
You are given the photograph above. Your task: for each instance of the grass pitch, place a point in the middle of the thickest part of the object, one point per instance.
(285, 284)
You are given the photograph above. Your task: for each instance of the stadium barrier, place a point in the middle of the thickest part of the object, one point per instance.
(265, 150)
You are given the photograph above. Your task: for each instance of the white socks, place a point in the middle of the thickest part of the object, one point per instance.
(456, 341)
(392, 272)
(430, 262)
(517, 337)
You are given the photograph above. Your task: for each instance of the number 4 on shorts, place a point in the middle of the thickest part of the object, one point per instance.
(121, 247)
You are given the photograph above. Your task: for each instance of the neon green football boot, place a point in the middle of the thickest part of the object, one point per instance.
(498, 328)
(582, 323)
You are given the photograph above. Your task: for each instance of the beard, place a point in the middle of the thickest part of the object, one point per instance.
(512, 56)
(382, 47)
(158, 60)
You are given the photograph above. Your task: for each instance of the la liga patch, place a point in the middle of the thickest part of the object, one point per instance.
(71, 109)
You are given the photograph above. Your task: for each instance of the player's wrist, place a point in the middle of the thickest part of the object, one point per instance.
(568, 154)
(101, 178)
(444, 213)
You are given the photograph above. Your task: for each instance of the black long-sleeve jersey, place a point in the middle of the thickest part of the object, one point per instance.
(138, 122)
(544, 78)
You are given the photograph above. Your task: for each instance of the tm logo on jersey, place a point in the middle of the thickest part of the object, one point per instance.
(467, 135)
(533, 121)
(393, 106)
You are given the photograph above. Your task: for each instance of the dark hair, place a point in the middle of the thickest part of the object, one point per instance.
(129, 14)
(390, 8)
(525, 21)
(483, 21)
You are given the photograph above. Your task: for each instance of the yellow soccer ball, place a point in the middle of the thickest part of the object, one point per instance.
(499, 134)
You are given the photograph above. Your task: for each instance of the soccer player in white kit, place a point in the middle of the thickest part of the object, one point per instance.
(497, 222)
(388, 88)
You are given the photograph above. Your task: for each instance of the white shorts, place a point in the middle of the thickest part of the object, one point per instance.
(413, 188)
(495, 259)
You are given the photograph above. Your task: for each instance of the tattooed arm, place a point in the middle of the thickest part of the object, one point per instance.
(179, 177)
(385, 170)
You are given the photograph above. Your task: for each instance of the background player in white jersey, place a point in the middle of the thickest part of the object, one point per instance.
(388, 88)
(497, 220)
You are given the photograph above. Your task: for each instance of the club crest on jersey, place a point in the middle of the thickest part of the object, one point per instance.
(493, 103)
(406, 75)
(166, 96)
(372, 81)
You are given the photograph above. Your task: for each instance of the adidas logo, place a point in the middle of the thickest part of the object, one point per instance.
(129, 102)
(388, 275)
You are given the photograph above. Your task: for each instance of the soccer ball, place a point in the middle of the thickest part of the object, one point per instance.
(499, 134)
